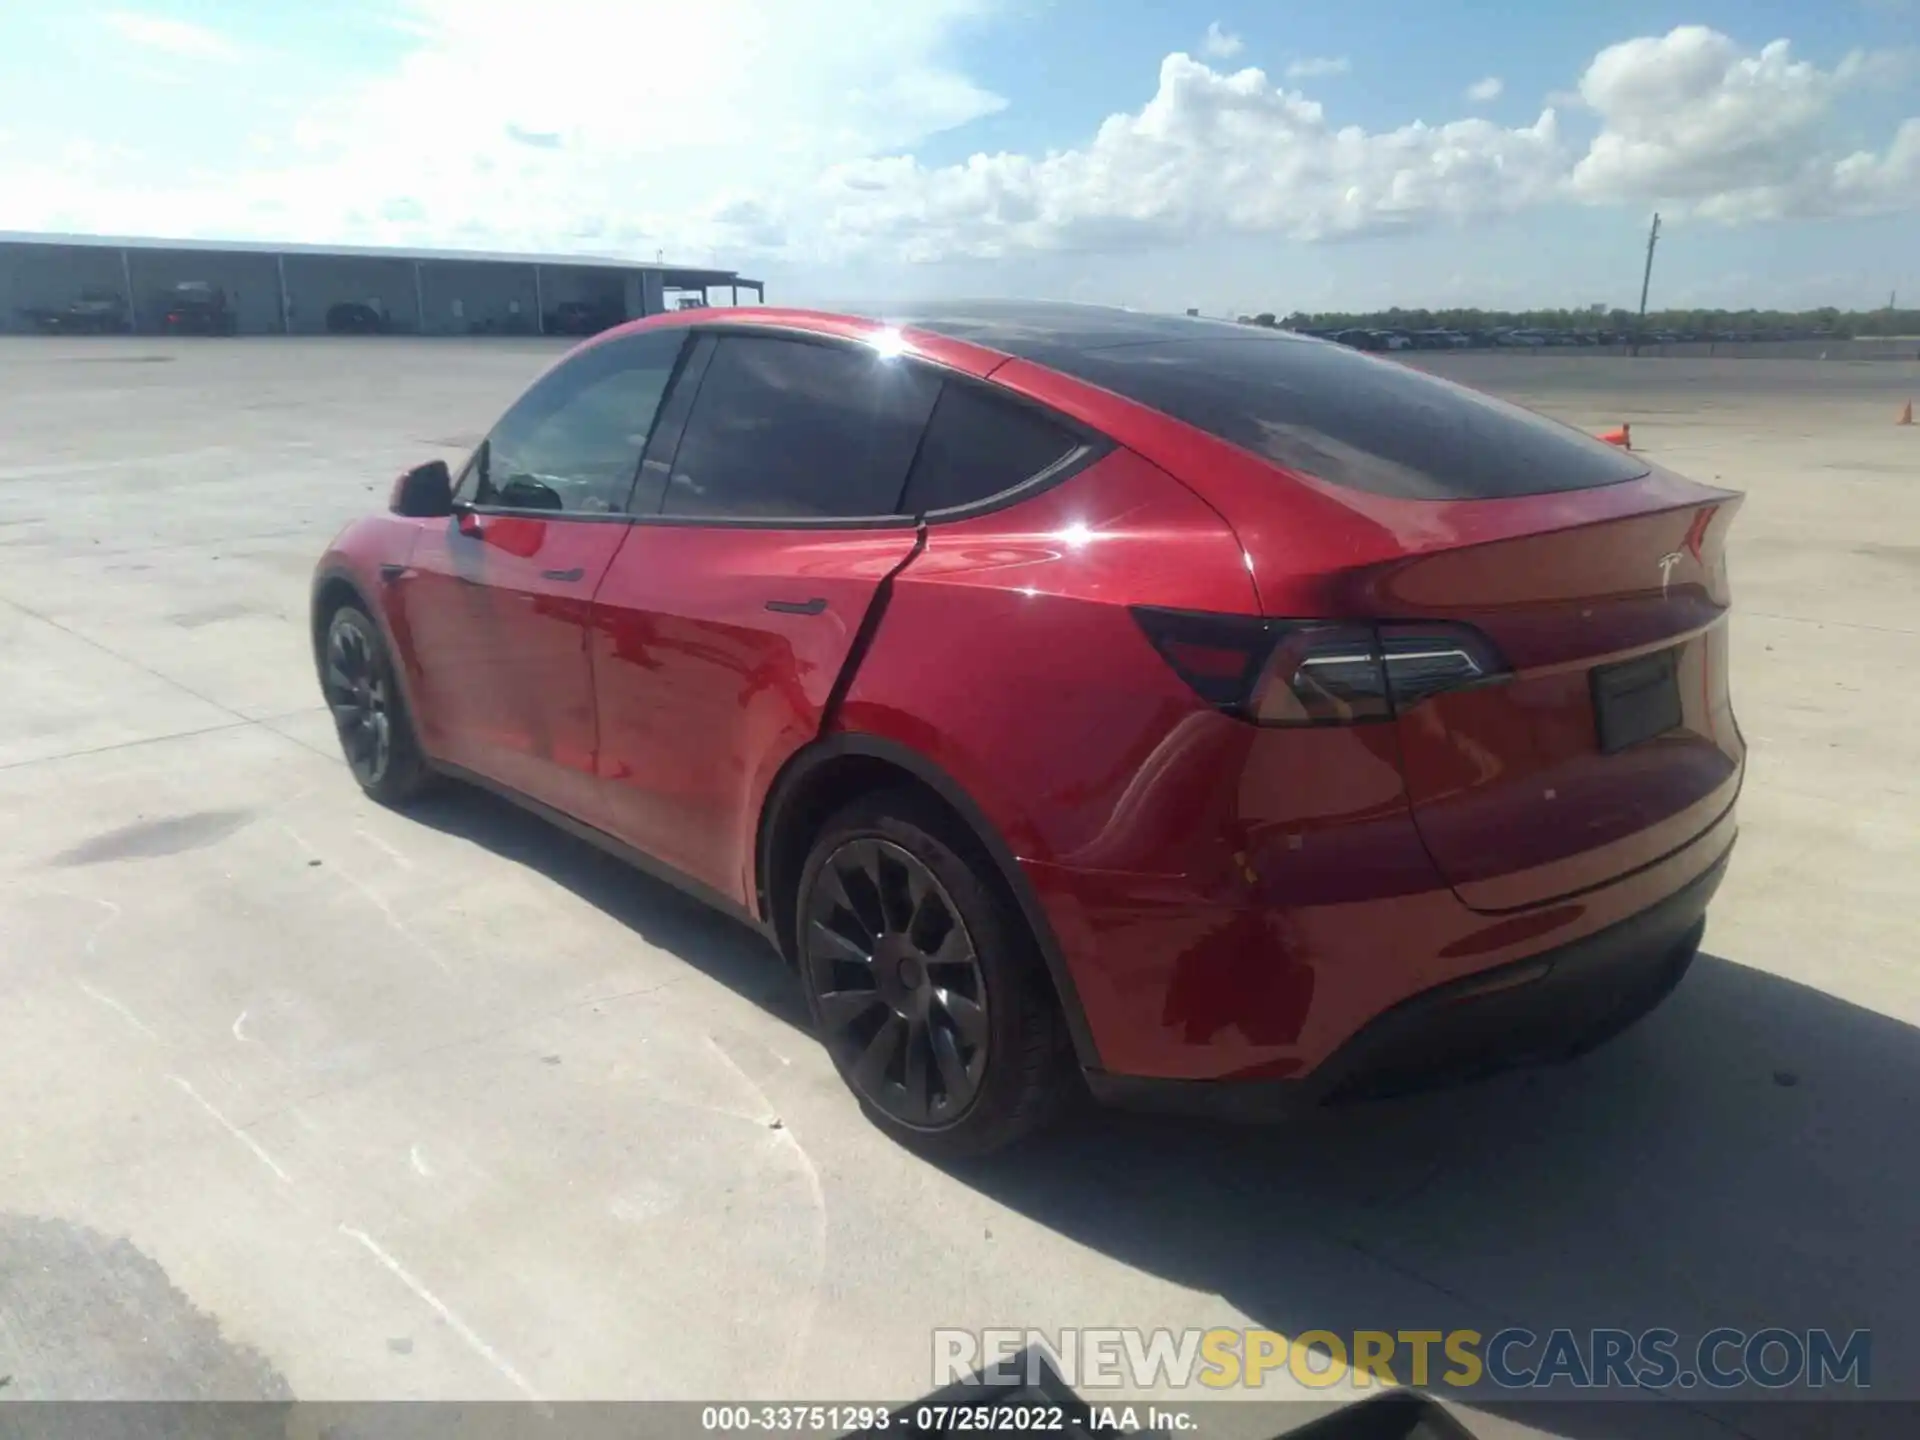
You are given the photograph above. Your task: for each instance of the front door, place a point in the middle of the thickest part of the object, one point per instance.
(497, 599)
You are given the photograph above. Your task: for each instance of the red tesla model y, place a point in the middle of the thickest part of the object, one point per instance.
(1226, 717)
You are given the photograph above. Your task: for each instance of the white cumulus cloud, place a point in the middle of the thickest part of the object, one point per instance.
(1221, 44)
(1482, 91)
(803, 139)
(1208, 151)
(1692, 121)
(500, 128)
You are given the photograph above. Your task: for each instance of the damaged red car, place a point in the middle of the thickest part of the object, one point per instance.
(1210, 716)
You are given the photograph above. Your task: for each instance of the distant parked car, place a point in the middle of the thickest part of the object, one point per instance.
(95, 312)
(583, 317)
(195, 307)
(1521, 339)
(350, 317)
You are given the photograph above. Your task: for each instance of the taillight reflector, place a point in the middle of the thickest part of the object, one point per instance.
(1318, 672)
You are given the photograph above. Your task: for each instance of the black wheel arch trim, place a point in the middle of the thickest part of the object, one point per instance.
(905, 757)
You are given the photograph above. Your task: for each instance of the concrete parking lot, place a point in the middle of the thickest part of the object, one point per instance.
(301, 1097)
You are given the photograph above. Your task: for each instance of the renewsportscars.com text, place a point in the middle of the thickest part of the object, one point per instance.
(1511, 1359)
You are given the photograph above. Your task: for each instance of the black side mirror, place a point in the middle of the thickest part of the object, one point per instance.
(423, 493)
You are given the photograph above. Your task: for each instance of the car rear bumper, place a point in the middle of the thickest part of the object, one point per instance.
(1543, 1009)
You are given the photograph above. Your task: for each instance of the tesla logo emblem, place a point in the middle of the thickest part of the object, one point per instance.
(1667, 562)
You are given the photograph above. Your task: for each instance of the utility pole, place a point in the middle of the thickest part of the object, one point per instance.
(1646, 279)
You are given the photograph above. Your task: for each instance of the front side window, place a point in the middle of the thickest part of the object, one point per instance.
(792, 429)
(572, 443)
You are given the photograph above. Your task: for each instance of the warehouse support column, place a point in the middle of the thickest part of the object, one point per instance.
(286, 301)
(539, 303)
(126, 279)
(419, 302)
(733, 296)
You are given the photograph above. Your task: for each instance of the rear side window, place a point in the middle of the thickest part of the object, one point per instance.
(978, 446)
(1323, 410)
(788, 429)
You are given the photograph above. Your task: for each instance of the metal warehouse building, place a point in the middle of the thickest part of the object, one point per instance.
(289, 289)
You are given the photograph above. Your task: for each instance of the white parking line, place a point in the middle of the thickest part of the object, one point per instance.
(439, 1307)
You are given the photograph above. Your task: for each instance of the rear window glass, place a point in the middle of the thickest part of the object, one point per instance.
(978, 446)
(1382, 427)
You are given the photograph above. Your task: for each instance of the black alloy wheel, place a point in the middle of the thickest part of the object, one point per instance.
(358, 696)
(898, 987)
(925, 981)
(358, 683)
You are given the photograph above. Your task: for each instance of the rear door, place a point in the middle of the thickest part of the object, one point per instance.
(497, 598)
(764, 530)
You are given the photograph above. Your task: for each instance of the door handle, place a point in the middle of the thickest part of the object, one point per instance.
(799, 607)
(577, 573)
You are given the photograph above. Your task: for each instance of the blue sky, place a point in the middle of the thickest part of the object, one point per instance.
(1231, 155)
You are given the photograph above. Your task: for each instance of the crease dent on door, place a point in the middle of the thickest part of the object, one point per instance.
(863, 635)
(703, 692)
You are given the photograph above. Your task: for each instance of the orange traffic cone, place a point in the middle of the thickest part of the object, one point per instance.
(1623, 437)
(1906, 414)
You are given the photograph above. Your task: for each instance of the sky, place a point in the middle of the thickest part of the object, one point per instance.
(1231, 155)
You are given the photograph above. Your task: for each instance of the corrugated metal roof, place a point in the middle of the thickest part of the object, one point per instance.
(673, 274)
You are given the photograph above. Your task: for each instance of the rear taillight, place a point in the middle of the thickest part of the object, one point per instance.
(1218, 655)
(1320, 675)
(1318, 672)
(1425, 659)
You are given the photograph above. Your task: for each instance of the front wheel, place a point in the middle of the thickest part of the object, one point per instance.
(375, 731)
(924, 982)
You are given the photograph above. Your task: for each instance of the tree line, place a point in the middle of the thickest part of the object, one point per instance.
(1705, 324)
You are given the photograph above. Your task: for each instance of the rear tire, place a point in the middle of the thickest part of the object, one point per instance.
(924, 981)
(369, 712)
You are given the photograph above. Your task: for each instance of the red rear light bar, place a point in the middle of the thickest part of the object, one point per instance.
(1318, 672)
